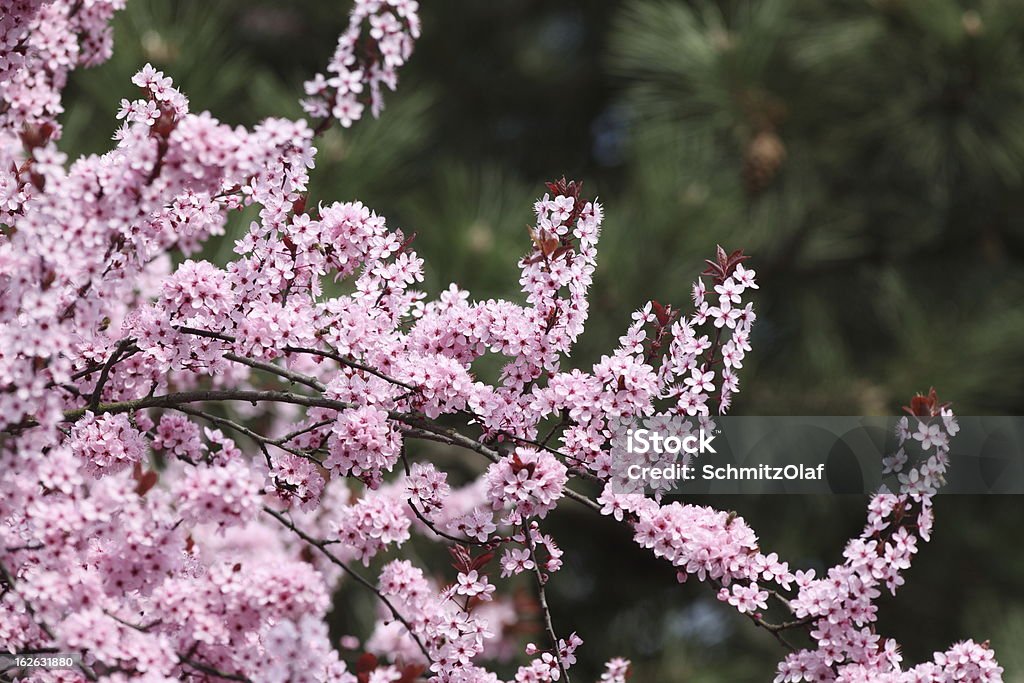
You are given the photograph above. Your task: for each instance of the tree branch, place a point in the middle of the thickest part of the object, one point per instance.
(543, 599)
(210, 671)
(322, 547)
(97, 392)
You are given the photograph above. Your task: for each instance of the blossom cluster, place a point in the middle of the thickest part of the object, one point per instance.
(361, 66)
(106, 444)
(225, 494)
(193, 457)
(363, 444)
(42, 41)
(530, 481)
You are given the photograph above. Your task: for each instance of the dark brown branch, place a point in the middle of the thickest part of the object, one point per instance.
(174, 400)
(354, 364)
(105, 371)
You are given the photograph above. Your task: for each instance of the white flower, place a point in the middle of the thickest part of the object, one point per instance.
(931, 435)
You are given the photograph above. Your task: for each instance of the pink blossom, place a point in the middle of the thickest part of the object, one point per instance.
(107, 444)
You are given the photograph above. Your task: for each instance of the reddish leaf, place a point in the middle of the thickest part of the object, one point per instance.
(482, 561)
(411, 672)
(662, 313)
(563, 250)
(366, 663)
(460, 557)
(724, 263)
(146, 482)
(518, 465)
(925, 406)
(567, 188)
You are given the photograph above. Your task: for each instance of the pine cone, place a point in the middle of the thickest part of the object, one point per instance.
(762, 160)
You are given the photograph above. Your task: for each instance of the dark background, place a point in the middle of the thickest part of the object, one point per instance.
(868, 155)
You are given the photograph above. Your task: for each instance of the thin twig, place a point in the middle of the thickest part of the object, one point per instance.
(291, 376)
(430, 525)
(210, 671)
(322, 547)
(324, 353)
(242, 429)
(774, 629)
(354, 364)
(299, 432)
(543, 598)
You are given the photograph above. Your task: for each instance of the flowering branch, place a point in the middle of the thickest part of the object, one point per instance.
(545, 609)
(216, 673)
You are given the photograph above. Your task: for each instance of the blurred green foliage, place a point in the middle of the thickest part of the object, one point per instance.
(869, 155)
